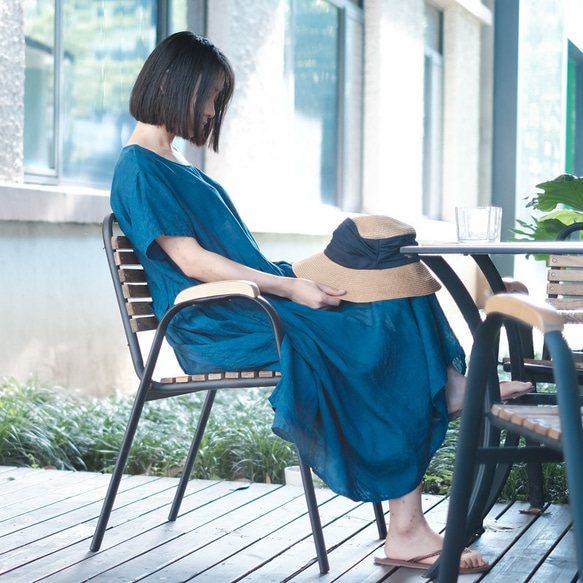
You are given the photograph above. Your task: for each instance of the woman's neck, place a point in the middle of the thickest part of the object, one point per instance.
(157, 139)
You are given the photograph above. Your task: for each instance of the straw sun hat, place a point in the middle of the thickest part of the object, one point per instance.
(363, 258)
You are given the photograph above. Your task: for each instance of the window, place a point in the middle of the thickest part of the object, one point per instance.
(325, 67)
(433, 113)
(82, 58)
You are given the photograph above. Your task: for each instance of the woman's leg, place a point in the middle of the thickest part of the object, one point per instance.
(455, 389)
(410, 536)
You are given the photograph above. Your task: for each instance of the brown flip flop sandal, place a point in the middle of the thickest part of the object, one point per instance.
(417, 563)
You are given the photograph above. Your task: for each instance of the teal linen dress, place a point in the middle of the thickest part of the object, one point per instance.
(362, 389)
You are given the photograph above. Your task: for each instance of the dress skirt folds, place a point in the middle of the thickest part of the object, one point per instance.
(362, 388)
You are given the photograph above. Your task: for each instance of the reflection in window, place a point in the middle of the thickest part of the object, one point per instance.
(100, 47)
(39, 103)
(327, 51)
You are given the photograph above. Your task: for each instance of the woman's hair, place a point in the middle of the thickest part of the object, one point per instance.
(176, 81)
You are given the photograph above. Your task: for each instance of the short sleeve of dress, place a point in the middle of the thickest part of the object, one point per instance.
(145, 206)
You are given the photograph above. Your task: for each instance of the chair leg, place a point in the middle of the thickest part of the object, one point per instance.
(380, 519)
(117, 474)
(314, 517)
(194, 447)
(536, 494)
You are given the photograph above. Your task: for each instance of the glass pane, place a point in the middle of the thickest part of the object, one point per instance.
(178, 15)
(39, 94)
(105, 44)
(315, 95)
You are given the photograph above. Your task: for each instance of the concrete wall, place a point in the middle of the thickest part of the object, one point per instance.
(12, 90)
(59, 321)
(394, 107)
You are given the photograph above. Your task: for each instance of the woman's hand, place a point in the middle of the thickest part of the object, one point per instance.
(314, 295)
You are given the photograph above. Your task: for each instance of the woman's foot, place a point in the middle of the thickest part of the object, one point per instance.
(455, 390)
(514, 389)
(418, 547)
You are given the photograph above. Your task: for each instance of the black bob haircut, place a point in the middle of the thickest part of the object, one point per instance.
(177, 79)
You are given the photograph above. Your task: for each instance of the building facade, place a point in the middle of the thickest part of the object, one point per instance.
(341, 106)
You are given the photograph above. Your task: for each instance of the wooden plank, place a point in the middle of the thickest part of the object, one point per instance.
(123, 559)
(544, 421)
(139, 308)
(258, 532)
(529, 549)
(35, 496)
(59, 516)
(29, 478)
(353, 558)
(218, 376)
(143, 324)
(121, 242)
(141, 510)
(566, 261)
(565, 275)
(126, 258)
(135, 291)
(343, 522)
(566, 304)
(131, 275)
(558, 565)
(256, 543)
(564, 289)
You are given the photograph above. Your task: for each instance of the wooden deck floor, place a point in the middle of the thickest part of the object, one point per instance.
(229, 531)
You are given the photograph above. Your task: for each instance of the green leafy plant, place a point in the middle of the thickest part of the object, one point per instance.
(562, 201)
(50, 427)
(42, 427)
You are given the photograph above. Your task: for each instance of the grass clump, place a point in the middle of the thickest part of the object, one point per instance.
(48, 427)
(51, 427)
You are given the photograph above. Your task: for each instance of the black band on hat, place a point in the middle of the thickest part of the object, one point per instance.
(349, 249)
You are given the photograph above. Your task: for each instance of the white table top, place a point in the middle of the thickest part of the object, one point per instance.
(504, 248)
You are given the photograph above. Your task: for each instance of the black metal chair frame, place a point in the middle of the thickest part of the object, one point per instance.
(150, 389)
(469, 453)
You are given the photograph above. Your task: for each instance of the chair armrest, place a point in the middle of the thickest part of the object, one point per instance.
(227, 287)
(541, 316)
(219, 291)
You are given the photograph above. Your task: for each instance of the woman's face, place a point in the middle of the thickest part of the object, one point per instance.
(208, 111)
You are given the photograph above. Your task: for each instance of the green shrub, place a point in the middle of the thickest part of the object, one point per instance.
(51, 427)
(42, 427)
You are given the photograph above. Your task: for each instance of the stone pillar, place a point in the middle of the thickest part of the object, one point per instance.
(393, 125)
(11, 90)
(254, 150)
(462, 35)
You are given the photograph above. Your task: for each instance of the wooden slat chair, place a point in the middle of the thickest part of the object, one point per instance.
(557, 430)
(565, 293)
(565, 285)
(134, 301)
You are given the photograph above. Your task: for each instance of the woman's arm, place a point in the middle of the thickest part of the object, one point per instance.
(206, 266)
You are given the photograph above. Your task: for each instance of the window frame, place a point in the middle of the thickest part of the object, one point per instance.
(574, 111)
(344, 198)
(55, 175)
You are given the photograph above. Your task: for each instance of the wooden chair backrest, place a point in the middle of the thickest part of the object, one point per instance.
(134, 286)
(565, 283)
